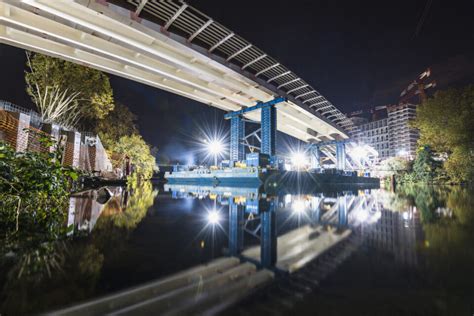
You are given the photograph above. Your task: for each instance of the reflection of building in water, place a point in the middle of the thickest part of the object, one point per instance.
(86, 207)
(397, 233)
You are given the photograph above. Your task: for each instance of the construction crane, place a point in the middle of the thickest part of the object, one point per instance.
(418, 87)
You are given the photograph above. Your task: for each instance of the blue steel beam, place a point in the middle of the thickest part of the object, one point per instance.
(316, 210)
(236, 227)
(340, 156)
(342, 212)
(269, 123)
(268, 237)
(315, 157)
(237, 134)
(259, 105)
(328, 143)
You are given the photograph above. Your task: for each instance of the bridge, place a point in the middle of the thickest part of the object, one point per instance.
(175, 47)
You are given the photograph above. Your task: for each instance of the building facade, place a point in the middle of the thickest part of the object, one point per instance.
(390, 133)
(375, 134)
(403, 139)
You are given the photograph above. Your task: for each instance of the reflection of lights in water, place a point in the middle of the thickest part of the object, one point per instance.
(202, 243)
(213, 217)
(297, 209)
(377, 216)
(358, 152)
(298, 206)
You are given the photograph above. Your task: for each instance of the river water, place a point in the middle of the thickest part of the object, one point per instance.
(383, 253)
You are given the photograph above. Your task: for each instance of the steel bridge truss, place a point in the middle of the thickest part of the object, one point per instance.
(177, 16)
(340, 153)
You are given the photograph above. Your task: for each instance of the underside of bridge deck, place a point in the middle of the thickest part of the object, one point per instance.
(114, 39)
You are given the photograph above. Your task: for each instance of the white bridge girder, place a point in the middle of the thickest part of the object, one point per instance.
(108, 39)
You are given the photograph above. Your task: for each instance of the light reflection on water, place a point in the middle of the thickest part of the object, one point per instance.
(122, 237)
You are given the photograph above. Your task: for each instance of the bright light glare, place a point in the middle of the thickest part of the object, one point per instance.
(298, 206)
(298, 159)
(362, 215)
(215, 147)
(402, 152)
(358, 152)
(213, 217)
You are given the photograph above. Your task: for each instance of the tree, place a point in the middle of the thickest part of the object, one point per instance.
(139, 153)
(93, 86)
(392, 166)
(56, 106)
(424, 166)
(120, 122)
(445, 124)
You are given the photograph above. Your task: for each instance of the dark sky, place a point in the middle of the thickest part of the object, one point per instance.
(356, 53)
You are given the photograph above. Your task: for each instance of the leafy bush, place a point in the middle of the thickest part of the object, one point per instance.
(34, 194)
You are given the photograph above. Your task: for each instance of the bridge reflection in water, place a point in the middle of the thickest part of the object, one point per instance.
(281, 234)
(308, 224)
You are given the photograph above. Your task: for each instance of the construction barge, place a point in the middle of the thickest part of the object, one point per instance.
(255, 176)
(251, 176)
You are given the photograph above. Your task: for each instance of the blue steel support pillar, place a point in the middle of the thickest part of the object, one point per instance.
(236, 231)
(340, 156)
(269, 122)
(316, 208)
(342, 211)
(237, 134)
(315, 157)
(268, 237)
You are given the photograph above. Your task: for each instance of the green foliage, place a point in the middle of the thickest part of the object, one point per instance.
(34, 197)
(34, 193)
(460, 164)
(118, 123)
(446, 125)
(93, 86)
(448, 240)
(424, 166)
(139, 153)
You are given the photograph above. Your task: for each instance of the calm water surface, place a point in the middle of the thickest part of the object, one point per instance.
(412, 252)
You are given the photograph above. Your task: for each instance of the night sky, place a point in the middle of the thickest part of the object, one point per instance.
(356, 53)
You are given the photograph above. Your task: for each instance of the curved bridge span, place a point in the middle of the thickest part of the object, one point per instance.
(171, 46)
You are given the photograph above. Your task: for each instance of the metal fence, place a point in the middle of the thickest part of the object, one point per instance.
(23, 129)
